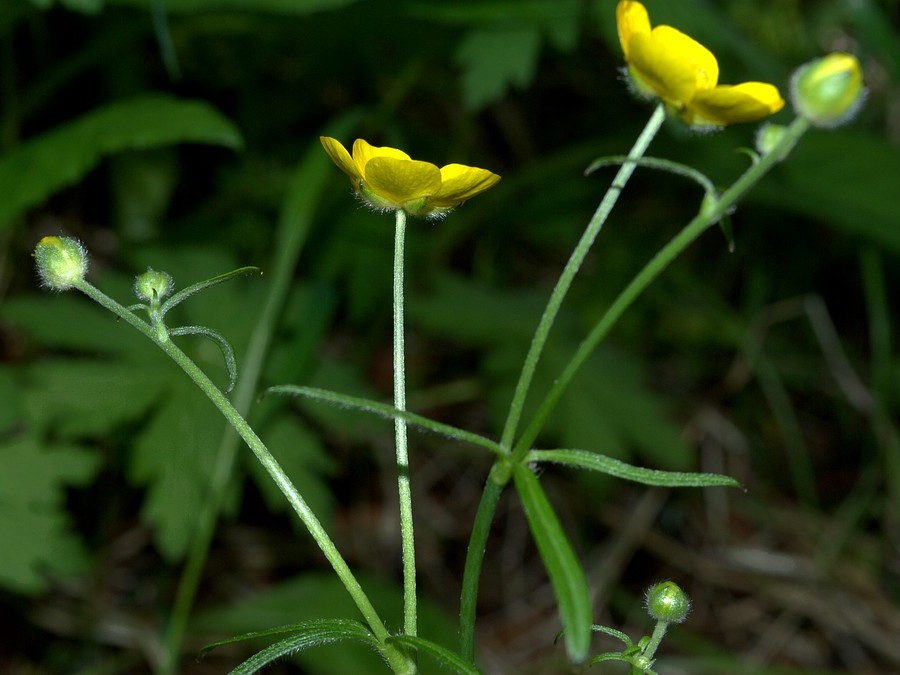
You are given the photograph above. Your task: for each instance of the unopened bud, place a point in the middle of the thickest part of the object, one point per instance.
(829, 91)
(667, 602)
(61, 262)
(153, 286)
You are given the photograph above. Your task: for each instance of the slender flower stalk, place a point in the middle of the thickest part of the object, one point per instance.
(569, 272)
(707, 217)
(398, 661)
(403, 486)
(500, 474)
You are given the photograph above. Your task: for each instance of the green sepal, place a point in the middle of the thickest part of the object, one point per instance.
(304, 635)
(565, 572)
(445, 658)
(592, 461)
(224, 345)
(389, 411)
(185, 293)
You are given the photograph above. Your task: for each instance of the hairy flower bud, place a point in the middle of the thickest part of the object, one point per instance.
(61, 262)
(667, 602)
(152, 285)
(829, 91)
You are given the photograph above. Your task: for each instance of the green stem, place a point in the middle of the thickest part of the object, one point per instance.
(474, 557)
(659, 632)
(709, 214)
(397, 660)
(406, 518)
(294, 225)
(569, 272)
(500, 473)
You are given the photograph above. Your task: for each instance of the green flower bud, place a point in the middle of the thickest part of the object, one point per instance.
(153, 286)
(61, 262)
(667, 602)
(829, 91)
(769, 136)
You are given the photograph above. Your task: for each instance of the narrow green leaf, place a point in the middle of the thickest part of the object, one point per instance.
(314, 629)
(223, 344)
(388, 411)
(661, 164)
(614, 633)
(62, 156)
(442, 655)
(185, 293)
(310, 634)
(562, 566)
(583, 459)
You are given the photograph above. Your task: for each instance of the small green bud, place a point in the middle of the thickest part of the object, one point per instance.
(769, 136)
(61, 262)
(829, 91)
(153, 286)
(667, 602)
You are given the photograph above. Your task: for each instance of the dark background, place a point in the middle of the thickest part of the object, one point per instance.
(168, 134)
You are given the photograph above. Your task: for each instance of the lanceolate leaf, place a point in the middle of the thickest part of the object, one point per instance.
(562, 566)
(595, 462)
(60, 157)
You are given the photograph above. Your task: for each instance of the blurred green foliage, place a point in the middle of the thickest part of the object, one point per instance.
(166, 133)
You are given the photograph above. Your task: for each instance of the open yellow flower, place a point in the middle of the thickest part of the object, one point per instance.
(388, 179)
(666, 63)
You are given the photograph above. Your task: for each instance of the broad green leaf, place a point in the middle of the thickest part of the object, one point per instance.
(12, 409)
(85, 397)
(297, 7)
(595, 462)
(496, 59)
(563, 568)
(172, 458)
(444, 657)
(62, 156)
(91, 329)
(36, 535)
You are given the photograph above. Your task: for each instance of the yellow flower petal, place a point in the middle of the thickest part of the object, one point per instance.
(725, 104)
(398, 180)
(341, 157)
(673, 64)
(363, 152)
(631, 18)
(460, 183)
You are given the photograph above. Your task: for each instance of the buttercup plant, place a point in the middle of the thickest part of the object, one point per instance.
(664, 64)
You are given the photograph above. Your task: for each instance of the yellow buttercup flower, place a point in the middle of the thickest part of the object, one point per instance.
(665, 63)
(388, 179)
